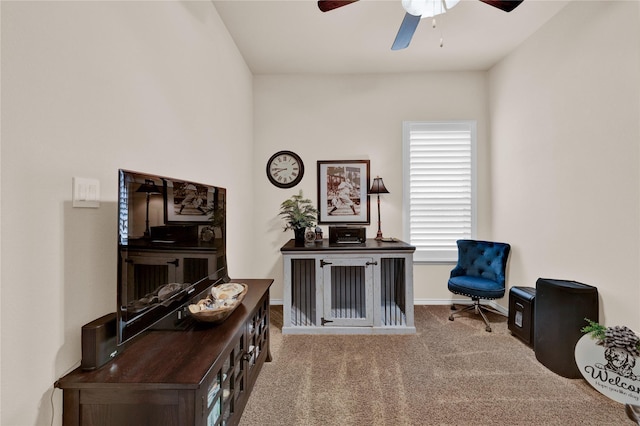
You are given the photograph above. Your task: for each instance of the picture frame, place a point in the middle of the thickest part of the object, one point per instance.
(343, 187)
(187, 202)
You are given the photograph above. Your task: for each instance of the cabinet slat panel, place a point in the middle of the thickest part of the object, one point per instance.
(393, 284)
(348, 292)
(303, 295)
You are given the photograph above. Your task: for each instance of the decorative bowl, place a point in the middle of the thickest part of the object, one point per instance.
(216, 307)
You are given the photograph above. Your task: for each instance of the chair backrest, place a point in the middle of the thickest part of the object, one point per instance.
(485, 259)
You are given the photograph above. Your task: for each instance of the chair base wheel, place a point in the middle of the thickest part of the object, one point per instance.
(477, 309)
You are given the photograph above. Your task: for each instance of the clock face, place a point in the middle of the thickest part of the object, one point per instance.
(285, 169)
(310, 236)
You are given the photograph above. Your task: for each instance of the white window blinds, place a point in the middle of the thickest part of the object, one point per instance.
(439, 187)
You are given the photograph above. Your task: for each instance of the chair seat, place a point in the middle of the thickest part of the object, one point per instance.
(476, 287)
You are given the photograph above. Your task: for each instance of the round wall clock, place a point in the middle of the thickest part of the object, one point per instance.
(285, 169)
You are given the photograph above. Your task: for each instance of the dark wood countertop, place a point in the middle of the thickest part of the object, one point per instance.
(171, 359)
(368, 245)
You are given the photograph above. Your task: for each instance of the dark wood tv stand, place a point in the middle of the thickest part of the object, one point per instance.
(200, 376)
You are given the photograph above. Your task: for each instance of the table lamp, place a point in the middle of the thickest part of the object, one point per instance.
(149, 187)
(377, 187)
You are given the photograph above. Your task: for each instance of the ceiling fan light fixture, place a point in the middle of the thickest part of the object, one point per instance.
(428, 8)
(450, 3)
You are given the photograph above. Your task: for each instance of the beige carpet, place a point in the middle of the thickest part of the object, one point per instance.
(449, 373)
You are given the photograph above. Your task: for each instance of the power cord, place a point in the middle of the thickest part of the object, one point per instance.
(55, 385)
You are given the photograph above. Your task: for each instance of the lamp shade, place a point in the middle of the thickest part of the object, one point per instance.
(149, 187)
(377, 187)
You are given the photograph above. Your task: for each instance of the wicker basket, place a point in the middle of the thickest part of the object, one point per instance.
(216, 316)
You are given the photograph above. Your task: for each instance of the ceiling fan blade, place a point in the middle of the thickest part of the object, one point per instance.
(505, 5)
(327, 5)
(405, 33)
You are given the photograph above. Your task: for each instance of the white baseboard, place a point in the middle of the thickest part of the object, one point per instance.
(491, 303)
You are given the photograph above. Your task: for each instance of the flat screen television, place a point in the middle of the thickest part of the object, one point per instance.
(171, 249)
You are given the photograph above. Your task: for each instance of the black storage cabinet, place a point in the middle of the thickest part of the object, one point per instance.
(521, 313)
(560, 311)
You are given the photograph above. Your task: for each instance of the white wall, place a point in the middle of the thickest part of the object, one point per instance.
(87, 88)
(357, 117)
(565, 133)
(558, 161)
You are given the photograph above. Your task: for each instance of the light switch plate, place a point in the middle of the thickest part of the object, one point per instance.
(86, 192)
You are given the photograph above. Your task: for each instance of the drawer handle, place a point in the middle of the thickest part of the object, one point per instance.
(249, 354)
(371, 263)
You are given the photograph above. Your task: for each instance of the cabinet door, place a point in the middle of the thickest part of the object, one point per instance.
(258, 341)
(224, 392)
(348, 291)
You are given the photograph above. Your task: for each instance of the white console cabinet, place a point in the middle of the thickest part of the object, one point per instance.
(348, 288)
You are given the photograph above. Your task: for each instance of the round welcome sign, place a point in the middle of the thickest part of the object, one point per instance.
(608, 363)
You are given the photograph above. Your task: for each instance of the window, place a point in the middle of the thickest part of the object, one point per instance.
(439, 187)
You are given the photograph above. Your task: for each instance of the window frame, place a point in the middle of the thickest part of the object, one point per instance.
(450, 254)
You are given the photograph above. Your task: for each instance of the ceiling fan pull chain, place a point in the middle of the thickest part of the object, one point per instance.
(433, 24)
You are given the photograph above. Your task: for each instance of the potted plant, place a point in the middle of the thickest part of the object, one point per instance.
(299, 214)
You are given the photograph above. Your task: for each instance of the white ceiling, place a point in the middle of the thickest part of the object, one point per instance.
(296, 37)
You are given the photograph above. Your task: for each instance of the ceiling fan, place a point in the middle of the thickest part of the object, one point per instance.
(417, 9)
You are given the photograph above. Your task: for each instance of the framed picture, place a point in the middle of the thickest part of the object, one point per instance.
(342, 192)
(187, 202)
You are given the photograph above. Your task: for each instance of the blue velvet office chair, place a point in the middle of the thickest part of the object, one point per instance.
(479, 274)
